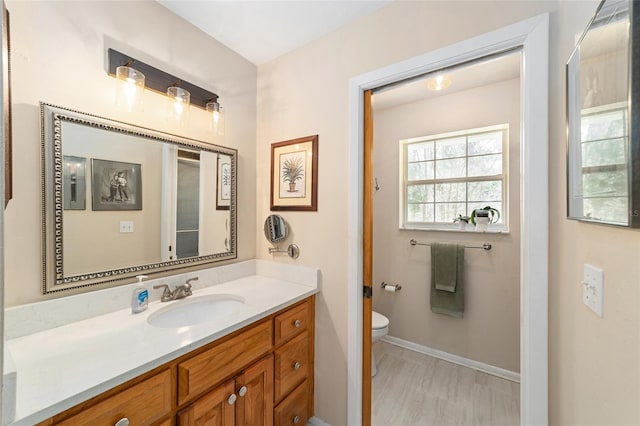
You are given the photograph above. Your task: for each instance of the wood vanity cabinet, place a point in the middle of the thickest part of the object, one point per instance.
(260, 375)
(245, 400)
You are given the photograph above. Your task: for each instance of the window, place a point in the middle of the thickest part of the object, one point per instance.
(604, 148)
(452, 174)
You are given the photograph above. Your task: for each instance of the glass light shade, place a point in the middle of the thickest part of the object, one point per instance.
(439, 82)
(130, 89)
(179, 99)
(217, 118)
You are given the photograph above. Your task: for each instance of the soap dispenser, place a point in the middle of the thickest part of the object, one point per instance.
(140, 296)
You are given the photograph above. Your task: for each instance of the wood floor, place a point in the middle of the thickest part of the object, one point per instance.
(413, 389)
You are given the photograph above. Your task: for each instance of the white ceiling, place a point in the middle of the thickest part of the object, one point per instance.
(265, 29)
(477, 74)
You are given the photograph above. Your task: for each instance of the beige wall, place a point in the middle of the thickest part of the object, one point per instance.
(489, 331)
(594, 369)
(594, 373)
(59, 56)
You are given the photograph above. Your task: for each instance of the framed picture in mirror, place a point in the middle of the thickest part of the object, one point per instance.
(294, 174)
(603, 121)
(115, 185)
(223, 187)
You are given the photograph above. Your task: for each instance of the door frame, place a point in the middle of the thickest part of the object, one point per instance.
(532, 36)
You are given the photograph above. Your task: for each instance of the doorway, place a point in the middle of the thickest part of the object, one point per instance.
(531, 36)
(445, 145)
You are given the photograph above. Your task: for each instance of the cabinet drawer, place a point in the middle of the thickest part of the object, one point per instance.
(143, 404)
(291, 322)
(293, 410)
(291, 365)
(201, 372)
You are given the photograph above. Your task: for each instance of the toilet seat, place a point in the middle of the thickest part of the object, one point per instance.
(378, 321)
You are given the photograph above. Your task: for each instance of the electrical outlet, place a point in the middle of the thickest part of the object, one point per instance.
(593, 288)
(126, 226)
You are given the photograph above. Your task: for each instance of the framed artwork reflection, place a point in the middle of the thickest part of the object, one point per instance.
(115, 185)
(294, 174)
(223, 186)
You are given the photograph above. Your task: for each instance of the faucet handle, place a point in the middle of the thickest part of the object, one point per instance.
(189, 281)
(166, 293)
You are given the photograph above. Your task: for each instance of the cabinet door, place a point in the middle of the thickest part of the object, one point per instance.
(255, 394)
(217, 408)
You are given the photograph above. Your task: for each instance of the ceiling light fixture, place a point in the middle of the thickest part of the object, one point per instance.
(439, 82)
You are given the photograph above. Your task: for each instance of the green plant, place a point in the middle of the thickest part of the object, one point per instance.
(461, 218)
(493, 214)
(292, 170)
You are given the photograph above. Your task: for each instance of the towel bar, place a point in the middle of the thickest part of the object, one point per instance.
(485, 246)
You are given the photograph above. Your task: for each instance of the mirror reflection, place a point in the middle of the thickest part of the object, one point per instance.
(132, 200)
(598, 119)
(275, 228)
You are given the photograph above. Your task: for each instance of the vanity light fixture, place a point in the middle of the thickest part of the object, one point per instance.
(163, 82)
(217, 117)
(179, 100)
(130, 89)
(439, 82)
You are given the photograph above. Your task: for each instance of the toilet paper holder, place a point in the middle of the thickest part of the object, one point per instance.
(390, 287)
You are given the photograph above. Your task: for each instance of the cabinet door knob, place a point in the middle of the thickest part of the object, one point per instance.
(297, 323)
(296, 366)
(122, 422)
(232, 399)
(296, 420)
(242, 391)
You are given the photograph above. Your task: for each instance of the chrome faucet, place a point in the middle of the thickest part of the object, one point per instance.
(179, 292)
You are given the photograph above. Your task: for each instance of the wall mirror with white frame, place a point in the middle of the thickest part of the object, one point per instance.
(603, 121)
(121, 200)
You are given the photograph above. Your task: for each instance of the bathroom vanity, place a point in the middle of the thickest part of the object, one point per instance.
(252, 366)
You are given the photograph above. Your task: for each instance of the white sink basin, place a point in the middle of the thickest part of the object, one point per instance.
(195, 310)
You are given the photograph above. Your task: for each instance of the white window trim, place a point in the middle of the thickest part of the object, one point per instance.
(403, 223)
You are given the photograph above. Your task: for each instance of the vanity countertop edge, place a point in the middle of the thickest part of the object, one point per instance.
(61, 367)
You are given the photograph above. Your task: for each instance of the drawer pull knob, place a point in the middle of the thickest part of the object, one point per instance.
(232, 399)
(242, 391)
(296, 420)
(297, 323)
(296, 366)
(122, 422)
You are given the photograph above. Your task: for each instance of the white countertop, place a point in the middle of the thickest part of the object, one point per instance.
(60, 367)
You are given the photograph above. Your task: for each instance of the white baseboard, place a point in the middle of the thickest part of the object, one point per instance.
(465, 362)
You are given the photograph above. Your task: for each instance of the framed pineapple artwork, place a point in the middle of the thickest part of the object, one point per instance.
(294, 174)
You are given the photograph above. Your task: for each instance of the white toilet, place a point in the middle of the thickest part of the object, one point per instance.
(379, 329)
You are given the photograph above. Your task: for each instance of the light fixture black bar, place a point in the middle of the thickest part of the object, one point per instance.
(159, 80)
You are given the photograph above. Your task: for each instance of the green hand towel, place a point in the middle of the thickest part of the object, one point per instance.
(445, 266)
(443, 301)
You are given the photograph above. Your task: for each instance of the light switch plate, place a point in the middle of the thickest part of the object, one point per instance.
(126, 226)
(593, 288)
